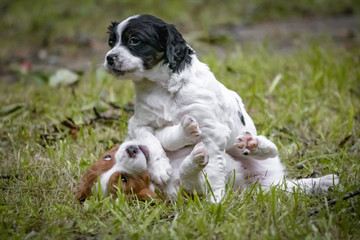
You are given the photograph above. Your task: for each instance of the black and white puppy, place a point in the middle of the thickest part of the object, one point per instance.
(171, 82)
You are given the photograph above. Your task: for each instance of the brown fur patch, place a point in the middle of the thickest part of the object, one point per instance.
(138, 185)
(91, 176)
(133, 185)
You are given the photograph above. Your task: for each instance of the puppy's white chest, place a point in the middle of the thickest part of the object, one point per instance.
(166, 114)
(159, 110)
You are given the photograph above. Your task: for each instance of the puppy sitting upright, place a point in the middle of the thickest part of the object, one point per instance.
(171, 82)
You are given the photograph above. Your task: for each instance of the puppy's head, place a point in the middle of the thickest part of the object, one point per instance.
(123, 167)
(140, 43)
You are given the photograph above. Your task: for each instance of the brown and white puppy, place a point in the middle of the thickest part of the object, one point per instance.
(128, 164)
(123, 167)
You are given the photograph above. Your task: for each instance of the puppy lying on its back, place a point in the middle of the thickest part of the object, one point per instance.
(128, 165)
(115, 169)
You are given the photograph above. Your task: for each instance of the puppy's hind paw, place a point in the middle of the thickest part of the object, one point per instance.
(246, 143)
(328, 181)
(257, 146)
(200, 157)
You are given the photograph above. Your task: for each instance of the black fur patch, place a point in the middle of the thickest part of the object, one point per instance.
(112, 34)
(177, 51)
(155, 41)
(241, 116)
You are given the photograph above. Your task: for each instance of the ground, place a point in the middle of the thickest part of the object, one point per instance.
(295, 65)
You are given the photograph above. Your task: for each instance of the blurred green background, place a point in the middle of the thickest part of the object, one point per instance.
(50, 34)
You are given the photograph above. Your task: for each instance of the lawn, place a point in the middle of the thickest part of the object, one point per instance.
(306, 100)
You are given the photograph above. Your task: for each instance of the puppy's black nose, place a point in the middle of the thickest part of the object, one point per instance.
(111, 59)
(132, 151)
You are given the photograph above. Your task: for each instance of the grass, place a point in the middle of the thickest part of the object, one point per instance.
(305, 100)
(308, 113)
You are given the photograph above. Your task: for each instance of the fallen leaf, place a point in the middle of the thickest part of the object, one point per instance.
(6, 110)
(63, 77)
(98, 104)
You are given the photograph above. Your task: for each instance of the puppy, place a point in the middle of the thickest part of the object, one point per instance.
(171, 82)
(189, 170)
(123, 167)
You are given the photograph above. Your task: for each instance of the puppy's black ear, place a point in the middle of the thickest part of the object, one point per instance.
(111, 28)
(177, 52)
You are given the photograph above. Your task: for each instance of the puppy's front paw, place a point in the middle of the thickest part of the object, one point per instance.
(200, 157)
(161, 172)
(191, 129)
(246, 143)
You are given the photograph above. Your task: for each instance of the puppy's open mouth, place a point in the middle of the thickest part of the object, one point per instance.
(145, 151)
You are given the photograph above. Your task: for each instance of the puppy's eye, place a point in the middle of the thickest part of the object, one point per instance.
(107, 157)
(123, 179)
(134, 41)
(111, 43)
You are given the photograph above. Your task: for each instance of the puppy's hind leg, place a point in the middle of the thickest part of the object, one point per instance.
(191, 169)
(313, 185)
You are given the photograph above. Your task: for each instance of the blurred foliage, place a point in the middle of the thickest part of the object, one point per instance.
(40, 22)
